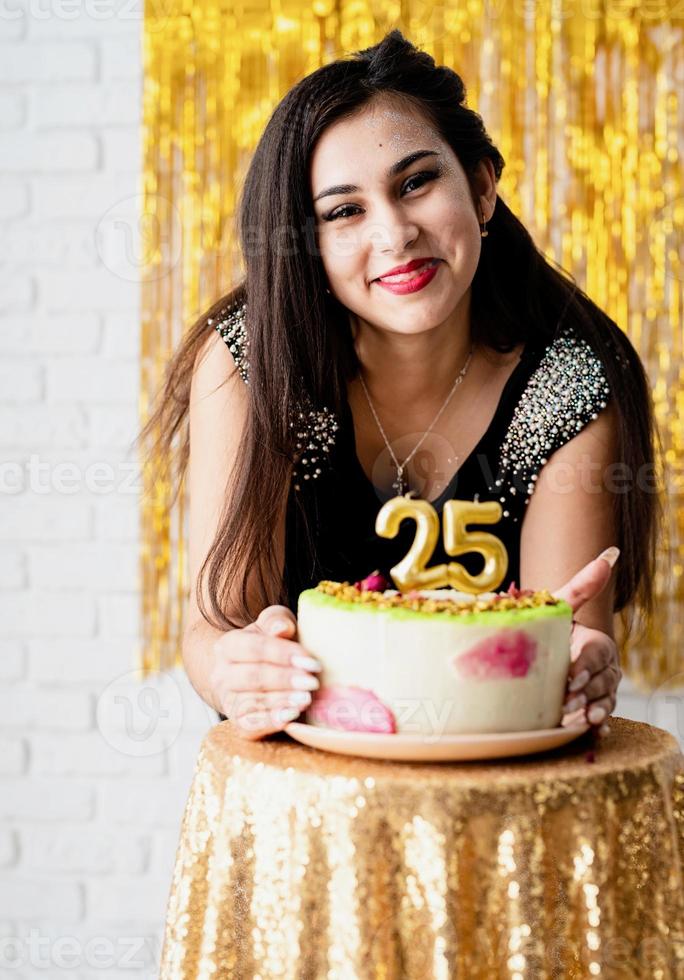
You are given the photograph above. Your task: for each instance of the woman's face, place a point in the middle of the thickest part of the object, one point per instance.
(426, 209)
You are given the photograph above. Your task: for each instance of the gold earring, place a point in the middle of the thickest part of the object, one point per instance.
(483, 227)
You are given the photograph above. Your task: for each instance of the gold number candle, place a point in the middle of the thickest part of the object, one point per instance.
(457, 541)
(411, 572)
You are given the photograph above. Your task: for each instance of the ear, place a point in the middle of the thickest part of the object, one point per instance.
(484, 180)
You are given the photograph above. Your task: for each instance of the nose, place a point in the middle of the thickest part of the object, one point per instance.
(392, 230)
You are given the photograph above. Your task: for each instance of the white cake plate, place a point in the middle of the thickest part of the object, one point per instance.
(433, 748)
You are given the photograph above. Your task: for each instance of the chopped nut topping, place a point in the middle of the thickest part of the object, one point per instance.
(428, 604)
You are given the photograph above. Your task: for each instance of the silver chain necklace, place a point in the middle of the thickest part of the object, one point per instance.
(398, 484)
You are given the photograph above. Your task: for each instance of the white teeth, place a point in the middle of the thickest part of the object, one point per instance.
(407, 276)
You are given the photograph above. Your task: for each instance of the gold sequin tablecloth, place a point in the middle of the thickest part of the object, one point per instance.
(298, 864)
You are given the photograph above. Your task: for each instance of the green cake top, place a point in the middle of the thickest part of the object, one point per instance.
(503, 608)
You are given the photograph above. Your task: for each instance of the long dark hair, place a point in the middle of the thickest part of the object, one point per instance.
(300, 335)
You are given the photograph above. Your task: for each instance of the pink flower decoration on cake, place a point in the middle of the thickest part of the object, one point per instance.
(509, 653)
(353, 709)
(375, 582)
(517, 593)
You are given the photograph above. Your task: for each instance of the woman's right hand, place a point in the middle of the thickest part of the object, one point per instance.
(262, 677)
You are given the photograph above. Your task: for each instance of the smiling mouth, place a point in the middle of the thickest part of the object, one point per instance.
(408, 276)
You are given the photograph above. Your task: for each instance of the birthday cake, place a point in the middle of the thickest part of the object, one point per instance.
(435, 661)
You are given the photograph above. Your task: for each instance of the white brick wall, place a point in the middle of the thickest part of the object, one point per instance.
(89, 810)
(89, 815)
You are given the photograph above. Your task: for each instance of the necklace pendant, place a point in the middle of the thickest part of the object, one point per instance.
(398, 484)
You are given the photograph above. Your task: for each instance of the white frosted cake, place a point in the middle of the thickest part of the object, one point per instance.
(435, 662)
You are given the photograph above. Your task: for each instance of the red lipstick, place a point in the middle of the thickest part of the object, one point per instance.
(411, 283)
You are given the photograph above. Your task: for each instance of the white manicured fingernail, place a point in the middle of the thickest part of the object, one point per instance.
(279, 625)
(304, 682)
(610, 555)
(579, 681)
(574, 703)
(254, 721)
(306, 663)
(596, 714)
(283, 715)
(299, 697)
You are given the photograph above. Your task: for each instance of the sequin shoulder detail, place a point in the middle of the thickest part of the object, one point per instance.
(230, 323)
(566, 391)
(313, 428)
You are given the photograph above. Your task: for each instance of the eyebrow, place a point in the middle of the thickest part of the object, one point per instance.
(395, 169)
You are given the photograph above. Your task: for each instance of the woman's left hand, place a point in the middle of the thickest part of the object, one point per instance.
(595, 671)
(593, 677)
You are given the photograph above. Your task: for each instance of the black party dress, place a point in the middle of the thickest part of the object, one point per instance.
(554, 391)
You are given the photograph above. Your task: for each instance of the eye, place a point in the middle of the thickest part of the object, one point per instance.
(424, 177)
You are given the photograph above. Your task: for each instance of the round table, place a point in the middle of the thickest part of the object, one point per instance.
(298, 864)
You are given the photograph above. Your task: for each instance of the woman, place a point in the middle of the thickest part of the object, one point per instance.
(323, 384)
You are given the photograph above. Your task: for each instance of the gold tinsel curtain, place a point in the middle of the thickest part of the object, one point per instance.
(584, 100)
